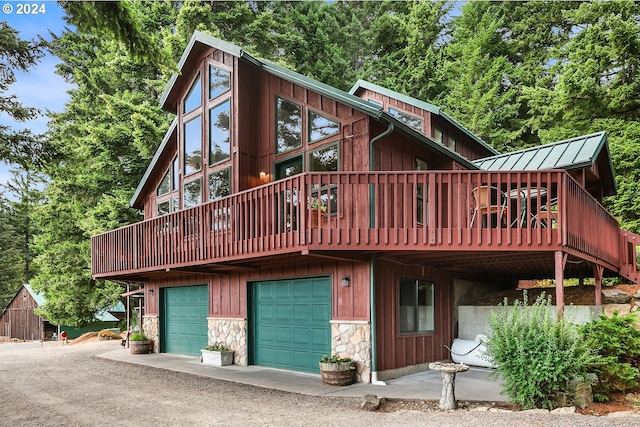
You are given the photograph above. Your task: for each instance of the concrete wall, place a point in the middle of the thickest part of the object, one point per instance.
(474, 320)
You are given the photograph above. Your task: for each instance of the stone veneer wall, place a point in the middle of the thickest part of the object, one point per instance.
(353, 339)
(151, 328)
(233, 334)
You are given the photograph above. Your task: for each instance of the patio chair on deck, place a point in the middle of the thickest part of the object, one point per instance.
(547, 215)
(489, 201)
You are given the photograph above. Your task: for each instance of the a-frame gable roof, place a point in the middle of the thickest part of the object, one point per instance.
(569, 154)
(363, 84)
(200, 42)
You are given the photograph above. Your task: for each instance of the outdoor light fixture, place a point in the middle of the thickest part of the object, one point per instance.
(151, 291)
(263, 175)
(345, 281)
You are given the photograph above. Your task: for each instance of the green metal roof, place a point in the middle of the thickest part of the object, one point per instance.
(102, 315)
(38, 298)
(363, 84)
(573, 153)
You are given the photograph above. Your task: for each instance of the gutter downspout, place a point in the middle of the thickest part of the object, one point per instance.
(372, 283)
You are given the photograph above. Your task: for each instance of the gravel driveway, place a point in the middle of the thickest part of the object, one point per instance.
(57, 385)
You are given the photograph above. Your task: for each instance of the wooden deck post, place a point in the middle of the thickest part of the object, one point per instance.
(560, 259)
(598, 271)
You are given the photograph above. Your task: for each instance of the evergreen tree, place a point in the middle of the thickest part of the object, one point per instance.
(18, 146)
(10, 256)
(597, 87)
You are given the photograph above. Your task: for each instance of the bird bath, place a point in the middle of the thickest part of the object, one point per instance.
(449, 371)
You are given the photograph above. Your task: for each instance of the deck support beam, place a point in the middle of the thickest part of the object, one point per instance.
(598, 272)
(560, 261)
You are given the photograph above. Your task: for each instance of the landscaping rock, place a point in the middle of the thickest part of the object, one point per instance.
(615, 296)
(580, 393)
(371, 402)
(622, 309)
(564, 410)
(637, 295)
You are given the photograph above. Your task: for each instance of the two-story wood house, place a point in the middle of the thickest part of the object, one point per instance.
(290, 219)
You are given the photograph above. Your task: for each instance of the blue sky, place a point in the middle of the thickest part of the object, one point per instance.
(40, 87)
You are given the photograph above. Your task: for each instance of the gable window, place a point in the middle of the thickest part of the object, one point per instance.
(325, 159)
(219, 133)
(407, 119)
(169, 180)
(192, 193)
(219, 184)
(452, 143)
(165, 184)
(219, 81)
(416, 306)
(193, 146)
(288, 125)
(193, 98)
(321, 127)
(437, 135)
(422, 201)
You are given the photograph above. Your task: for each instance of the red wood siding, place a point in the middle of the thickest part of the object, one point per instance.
(228, 292)
(465, 145)
(395, 350)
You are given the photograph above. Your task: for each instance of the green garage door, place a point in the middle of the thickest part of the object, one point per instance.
(185, 319)
(290, 323)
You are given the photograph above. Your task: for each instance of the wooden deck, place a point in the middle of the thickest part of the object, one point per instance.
(426, 213)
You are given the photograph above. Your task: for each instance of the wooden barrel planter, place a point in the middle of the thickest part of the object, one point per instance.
(337, 373)
(141, 347)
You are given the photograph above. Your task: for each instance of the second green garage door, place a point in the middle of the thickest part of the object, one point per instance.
(290, 323)
(185, 312)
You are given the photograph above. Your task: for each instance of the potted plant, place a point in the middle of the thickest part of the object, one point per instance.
(317, 212)
(140, 344)
(217, 354)
(336, 370)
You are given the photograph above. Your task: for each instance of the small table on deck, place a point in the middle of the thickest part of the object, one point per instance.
(522, 194)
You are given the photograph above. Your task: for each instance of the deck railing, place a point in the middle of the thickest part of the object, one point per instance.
(369, 211)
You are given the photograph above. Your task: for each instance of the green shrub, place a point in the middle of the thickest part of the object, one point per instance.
(216, 347)
(617, 343)
(137, 336)
(536, 354)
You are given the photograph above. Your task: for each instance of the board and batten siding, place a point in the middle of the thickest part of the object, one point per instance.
(395, 350)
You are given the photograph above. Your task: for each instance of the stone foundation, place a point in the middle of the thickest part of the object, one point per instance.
(353, 339)
(151, 328)
(233, 334)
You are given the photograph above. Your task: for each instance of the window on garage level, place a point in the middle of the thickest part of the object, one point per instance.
(416, 311)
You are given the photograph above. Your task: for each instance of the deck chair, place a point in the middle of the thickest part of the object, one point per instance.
(547, 215)
(489, 201)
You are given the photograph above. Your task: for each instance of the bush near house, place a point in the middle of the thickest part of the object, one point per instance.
(536, 354)
(617, 343)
